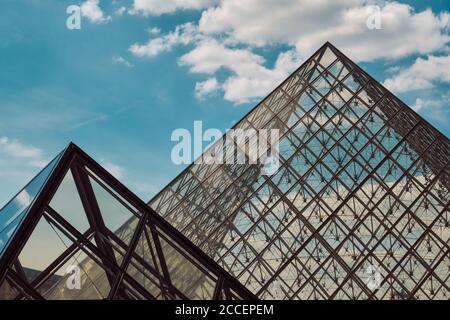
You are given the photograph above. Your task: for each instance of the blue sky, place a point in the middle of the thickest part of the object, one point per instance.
(139, 69)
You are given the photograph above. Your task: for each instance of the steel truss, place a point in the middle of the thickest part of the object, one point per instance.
(359, 208)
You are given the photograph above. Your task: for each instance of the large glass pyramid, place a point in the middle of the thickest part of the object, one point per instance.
(359, 208)
(75, 232)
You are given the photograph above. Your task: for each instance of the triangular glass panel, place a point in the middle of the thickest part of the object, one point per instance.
(67, 203)
(12, 214)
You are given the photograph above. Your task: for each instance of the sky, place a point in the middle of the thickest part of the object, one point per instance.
(137, 70)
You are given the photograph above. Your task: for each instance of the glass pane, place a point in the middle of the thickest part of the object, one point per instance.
(146, 279)
(327, 58)
(119, 251)
(112, 191)
(147, 275)
(117, 217)
(147, 250)
(13, 212)
(128, 292)
(45, 244)
(185, 276)
(67, 203)
(7, 291)
(80, 278)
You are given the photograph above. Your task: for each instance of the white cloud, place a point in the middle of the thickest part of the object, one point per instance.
(249, 78)
(15, 149)
(392, 69)
(121, 11)
(122, 61)
(23, 199)
(159, 7)
(129, 179)
(437, 110)
(422, 74)
(89, 120)
(114, 169)
(183, 34)
(229, 31)
(206, 88)
(308, 24)
(146, 189)
(19, 163)
(91, 10)
(209, 56)
(246, 87)
(154, 30)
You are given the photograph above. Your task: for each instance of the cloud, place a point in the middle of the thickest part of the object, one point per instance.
(15, 149)
(23, 199)
(19, 163)
(206, 88)
(247, 87)
(122, 61)
(146, 189)
(154, 30)
(121, 11)
(91, 10)
(436, 110)
(209, 56)
(114, 169)
(130, 179)
(90, 120)
(229, 32)
(249, 78)
(159, 7)
(308, 24)
(183, 34)
(422, 74)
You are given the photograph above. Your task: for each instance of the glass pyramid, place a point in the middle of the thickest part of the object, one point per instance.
(75, 232)
(359, 208)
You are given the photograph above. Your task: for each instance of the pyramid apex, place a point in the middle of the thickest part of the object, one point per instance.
(72, 145)
(331, 46)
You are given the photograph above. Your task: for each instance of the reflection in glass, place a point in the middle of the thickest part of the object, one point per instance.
(45, 244)
(193, 282)
(67, 203)
(15, 210)
(117, 217)
(80, 278)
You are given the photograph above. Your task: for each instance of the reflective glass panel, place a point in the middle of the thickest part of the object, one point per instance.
(15, 210)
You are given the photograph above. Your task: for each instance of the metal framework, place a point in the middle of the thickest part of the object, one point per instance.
(75, 232)
(363, 190)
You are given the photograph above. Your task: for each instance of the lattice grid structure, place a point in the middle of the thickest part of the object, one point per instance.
(359, 208)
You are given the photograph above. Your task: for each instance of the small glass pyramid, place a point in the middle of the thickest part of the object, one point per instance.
(75, 232)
